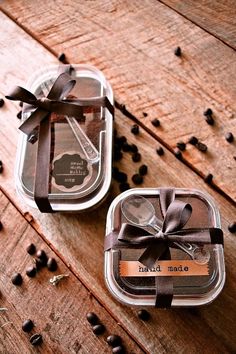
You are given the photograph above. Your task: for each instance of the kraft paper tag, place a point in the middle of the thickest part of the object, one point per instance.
(174, 268)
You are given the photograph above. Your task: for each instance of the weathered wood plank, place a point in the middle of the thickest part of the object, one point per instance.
(59, 312)
(133, 43)
(71, 235)
(216, 17)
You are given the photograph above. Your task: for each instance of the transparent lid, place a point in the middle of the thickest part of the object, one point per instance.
(140, 289)
(81, 151)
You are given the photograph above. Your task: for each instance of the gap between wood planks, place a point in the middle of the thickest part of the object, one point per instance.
(30, 220)
(195, 23)
(122, 108)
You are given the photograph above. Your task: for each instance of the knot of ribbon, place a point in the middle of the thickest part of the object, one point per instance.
(176, 214)
(54, 102)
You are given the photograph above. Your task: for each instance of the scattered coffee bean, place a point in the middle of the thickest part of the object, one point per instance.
(31, 249)
(193, 140)
(143, 315)
(136, 157)
(52, 264)
(36, 339)
(117, 155)
(39, 263)
(145, 114)
(114, 340)
(160, 151)
(208, 178)
(133, 148)
(61, 57)
(181, 145)
(208, 112)
(143, 170)
(229, 137)
(1, 226)
(1, 166)
(27, 326)
(126, 147)
(124, 186)
(137, 179)
(1, 102)
(122, 140)
(209, 120)
(118, 350)
(19, 115)
(135, 129)
(98, 329)
(121, 177)
(178, 154)
(201, 147)
(17, 279)
(31, 272)
(178, 52)
(155, 122)
(92, 318)
(21, 104)
(232, 227)
(41, 254)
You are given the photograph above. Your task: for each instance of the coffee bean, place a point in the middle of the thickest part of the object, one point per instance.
(118, 350)
(1, 166)
(31, 249)
(208, 178)
(124, 186)
(145, 114)
(31, 272)
(136, 157)
(126, 147)
(121, 177)
(135, 129)
(232, 227)
(19, 114)
(133, 148)
(143, 315)
(178, 154)
(143, 170)
(160, 151)
(155, 122)
(208, 112)
(27, 326)
(61, 57)
(137, 179)
(21, 104)
(92, 318)
(98, 329)
(52, 264)
(178, 52)
(114, 340)
(17, 279)
(1, 102)
(193, 140)
(41, 254)
(201, 147)
(1, 226)
(181, 145)
(39, 263)
(229, 137)
(36, 339)
(209, 120)
(117, 155)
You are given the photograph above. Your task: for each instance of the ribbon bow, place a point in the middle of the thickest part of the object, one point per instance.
(54, 102)
(175, 215)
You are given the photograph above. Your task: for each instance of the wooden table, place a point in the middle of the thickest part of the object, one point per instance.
(133, 43)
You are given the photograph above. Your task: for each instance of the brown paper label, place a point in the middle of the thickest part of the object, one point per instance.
(174, 268)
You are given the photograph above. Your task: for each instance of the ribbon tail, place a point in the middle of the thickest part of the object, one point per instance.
(164, 286)
(152, 253)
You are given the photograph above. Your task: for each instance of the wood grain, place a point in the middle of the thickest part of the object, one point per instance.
(216, 17)
(133, 43)
(71, 236)
(59, 312)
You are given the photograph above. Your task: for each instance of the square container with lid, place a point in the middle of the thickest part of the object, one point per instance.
(196, 271)
(81, 151)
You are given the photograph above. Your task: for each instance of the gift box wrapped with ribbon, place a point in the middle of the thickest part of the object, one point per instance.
(64, 157)
(164, 248)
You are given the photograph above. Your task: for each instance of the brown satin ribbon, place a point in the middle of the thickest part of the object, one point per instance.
(175, 215)
(53, 103)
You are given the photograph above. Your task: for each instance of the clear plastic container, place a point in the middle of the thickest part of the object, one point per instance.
(81, 152)
(188, 290)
